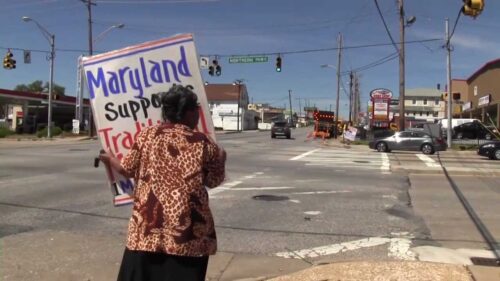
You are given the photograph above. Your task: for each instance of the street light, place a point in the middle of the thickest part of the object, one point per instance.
(51, 38)
(91, 48)
(100, 36)
(238, 82)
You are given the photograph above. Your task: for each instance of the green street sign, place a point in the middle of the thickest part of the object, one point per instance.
(248, 59)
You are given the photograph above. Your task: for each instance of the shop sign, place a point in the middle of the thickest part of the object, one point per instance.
(467, 106)
(380, 94)
(484, 100)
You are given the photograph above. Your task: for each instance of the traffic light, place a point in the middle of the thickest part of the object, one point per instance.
(8, 61)
(473, 8)
(218, 70)
(278, 64)
(215, 68)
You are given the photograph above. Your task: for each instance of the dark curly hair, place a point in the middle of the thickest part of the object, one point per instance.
(177, 101)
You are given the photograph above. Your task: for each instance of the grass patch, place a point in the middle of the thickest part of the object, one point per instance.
(4, 132)
(464, 146)
(360, 142)
(56, 131)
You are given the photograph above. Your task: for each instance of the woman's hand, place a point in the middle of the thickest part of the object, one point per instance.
(105, 157)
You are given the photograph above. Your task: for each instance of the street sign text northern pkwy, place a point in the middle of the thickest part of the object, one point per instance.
(248, 59)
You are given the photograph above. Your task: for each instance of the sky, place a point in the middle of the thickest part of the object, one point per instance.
(296, 29)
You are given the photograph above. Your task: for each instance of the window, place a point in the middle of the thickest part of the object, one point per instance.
(414, 101)
(405, 135)
(436, 102)
(425, 101)
(420, 113)
(427, 113)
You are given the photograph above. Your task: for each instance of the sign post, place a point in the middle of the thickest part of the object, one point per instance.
(248, 59)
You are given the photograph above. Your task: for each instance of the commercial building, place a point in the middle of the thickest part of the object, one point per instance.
(480, 98)
(424, 104)
(228, 104)
(26, 112)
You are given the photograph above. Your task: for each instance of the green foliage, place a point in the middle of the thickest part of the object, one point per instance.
(39, 87)
(5, 132)
(56, 131)
(464, 146)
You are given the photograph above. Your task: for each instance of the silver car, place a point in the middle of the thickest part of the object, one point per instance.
(409, 140)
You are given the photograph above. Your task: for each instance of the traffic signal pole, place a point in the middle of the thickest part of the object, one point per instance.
(402, 67)
(448, 79)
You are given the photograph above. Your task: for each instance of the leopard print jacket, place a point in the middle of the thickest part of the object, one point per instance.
(172, 165)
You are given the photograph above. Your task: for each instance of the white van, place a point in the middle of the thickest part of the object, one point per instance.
(455, 122)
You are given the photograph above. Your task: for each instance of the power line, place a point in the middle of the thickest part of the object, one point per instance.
(374, 63)
(456, 23)
(82, 51)
(321, 49)
(385, 25)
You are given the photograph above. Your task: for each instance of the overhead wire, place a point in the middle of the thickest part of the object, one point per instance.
(385, 25)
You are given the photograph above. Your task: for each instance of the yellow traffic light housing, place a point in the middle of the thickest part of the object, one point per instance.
(473, 8)
(8, 61)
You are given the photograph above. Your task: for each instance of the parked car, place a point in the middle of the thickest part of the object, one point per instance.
(281, 128)
(409, 140)
(490, 150)
(473, 130)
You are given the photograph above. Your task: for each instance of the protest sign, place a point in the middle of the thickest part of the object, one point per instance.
(350, 133)
(123, 87)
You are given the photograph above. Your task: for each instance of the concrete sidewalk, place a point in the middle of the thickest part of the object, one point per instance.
(59, 255)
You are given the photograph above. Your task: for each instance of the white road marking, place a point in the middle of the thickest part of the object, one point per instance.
(321, 192)
(312, 213)
(260, 188)
(386, 164)
(429, 162)
(294, 201)
(305, 154)
(223, 187)
(399, 247)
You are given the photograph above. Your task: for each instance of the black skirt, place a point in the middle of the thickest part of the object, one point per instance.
(149, 266)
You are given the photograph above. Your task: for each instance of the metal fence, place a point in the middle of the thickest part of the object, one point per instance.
(470, 142)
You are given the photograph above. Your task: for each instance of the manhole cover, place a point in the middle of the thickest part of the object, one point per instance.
(361, 161)
(485, 261)
(269, 198)
(79, 149)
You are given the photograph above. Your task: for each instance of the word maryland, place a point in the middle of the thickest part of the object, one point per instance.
(137, 79)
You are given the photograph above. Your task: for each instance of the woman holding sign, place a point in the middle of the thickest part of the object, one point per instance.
(171, 232)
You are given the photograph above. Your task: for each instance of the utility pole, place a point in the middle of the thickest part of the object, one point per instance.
(350, 97)
(402, 66)
(358, 97)
(448, 79)
(338, 85)
(290, 100)
(300, 108)
(91, 52)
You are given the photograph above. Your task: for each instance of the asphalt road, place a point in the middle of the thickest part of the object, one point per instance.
(282, 197)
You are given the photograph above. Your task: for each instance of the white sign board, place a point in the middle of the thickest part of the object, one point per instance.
(76, 126)
(350, 133)
(467, 106)
(484, 100)
(380, 108)
(123, 87)
(204, 62)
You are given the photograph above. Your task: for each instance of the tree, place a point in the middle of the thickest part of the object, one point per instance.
(38, 87)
